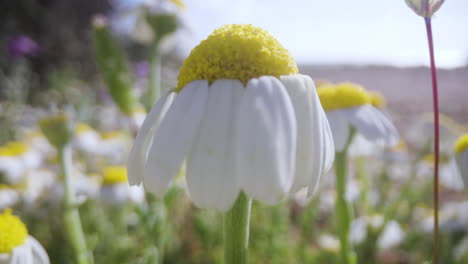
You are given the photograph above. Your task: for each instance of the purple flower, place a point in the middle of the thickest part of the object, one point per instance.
(22, 45)
(141, 69)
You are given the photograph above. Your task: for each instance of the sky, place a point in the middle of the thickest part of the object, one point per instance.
(358, 32)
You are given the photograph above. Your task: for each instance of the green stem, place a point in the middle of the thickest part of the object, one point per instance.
(72, 216)
(236, 231)
(343, 209)
(362, 176)
(154, 79)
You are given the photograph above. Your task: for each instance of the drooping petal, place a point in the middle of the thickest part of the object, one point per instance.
(144, 139)
(174, 136)
(339, 128)
(266, 140)
(210, 164)
(310, 154)
(372, 124)
(328, 145)
(38, 252)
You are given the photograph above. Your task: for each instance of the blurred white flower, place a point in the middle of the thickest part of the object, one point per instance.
(329, 243)
(266, 137)
(86, 187)
(461, 157)
(391, 236)
(115, 189)
(349, 107)
(8, 196)
(16, 246)
(15, 158)
(449, 176)
(461, 250)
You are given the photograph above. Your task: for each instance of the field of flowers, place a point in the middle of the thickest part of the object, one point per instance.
(227, 156)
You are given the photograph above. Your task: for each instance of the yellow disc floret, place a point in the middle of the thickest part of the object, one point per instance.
(342, 95)
(114, 175)
(12, 232)
(13, 148)
(461, 144)
(240, 52)
(377, 99)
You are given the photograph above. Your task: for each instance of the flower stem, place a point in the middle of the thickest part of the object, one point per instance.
(154, 79)
(236, 231)
(436, 139)
(364, 179)
(72, 216)
(343, 209)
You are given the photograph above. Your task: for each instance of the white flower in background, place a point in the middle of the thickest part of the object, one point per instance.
(329, 243)
(391, 236)
(449, 176)
(348, 106)
(243, 120)
(461, 250)
(129, 18)
(115, 189)
(453, 216)
(16, 246)
(15, 158)
(86, 138)
(461, 157)
(38, 142)
(37, 183)
(8, 196)
(86, 187)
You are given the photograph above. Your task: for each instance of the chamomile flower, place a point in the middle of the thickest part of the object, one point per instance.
(15, 158)
(16, 246)
(8, 196)
(348, 106)
(115, 189)
(448, 173)
(242, 118)
(461, 157)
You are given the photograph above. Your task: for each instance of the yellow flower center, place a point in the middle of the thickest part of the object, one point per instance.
(240, 52)
(377, 99)
(13, 149)
(111, 135)
(13, 232)
(342, 95)
(82, 128)
(179, 3)
(114, 175)
(461, 144)
(429, 158)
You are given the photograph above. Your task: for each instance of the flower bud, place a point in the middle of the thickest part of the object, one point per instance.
(57, 129)
(425, 8)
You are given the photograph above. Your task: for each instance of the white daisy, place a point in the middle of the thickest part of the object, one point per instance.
(115, 189)
(15, 158)
(349, 108)
(242, 119)
(461, 157)
(16, 246)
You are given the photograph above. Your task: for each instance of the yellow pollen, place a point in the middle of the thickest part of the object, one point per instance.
(179, 3)
(377, 99)
(111, 135)
(114, 175)
(401, 146)
(342, 95)
(429, 158)
(13, 149)
(239, 52)
(461, 144)
(82, 128)
(13, 232)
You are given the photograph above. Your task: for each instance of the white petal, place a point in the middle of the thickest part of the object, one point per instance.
(329, 144)
(339, 128)
(144, 139)
(266, 140)
(462, 164)
(174, 136)
(210, 165)
(311, 130)
(372, 124)
(38, 252)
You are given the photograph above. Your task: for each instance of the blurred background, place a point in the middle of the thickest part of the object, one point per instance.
(96, 60)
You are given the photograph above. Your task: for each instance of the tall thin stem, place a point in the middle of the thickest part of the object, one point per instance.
(343, 209)
(154, 79)
(236, 231)
(435, 98)
(72, 216)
